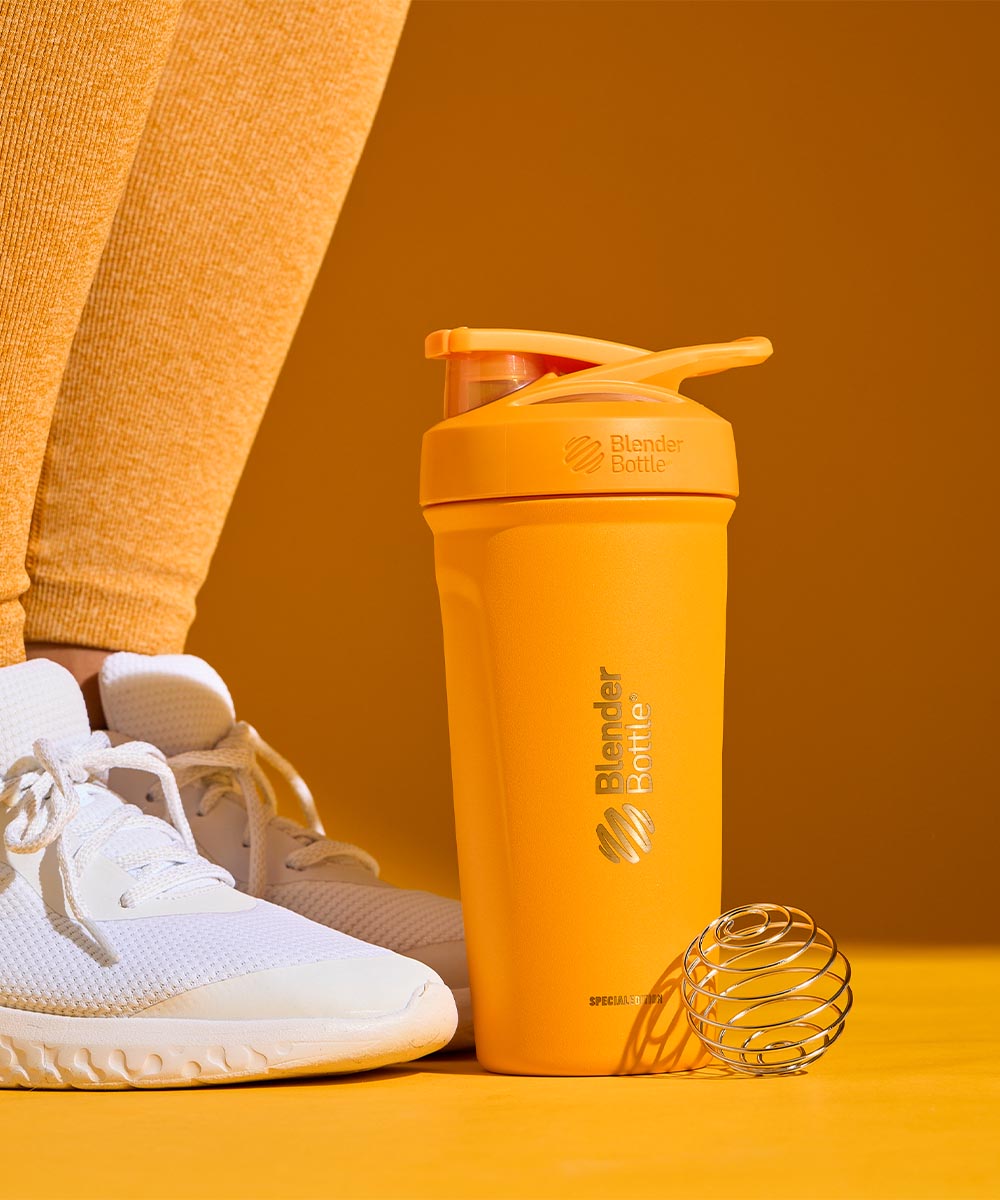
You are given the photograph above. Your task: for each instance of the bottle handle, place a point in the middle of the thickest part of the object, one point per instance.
(666, 368)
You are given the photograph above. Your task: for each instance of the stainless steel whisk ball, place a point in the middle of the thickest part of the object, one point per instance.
(766, 990)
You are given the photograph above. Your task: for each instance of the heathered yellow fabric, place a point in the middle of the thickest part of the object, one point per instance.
(257, 123)
(76, 83)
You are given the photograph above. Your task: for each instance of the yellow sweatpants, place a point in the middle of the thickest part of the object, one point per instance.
(170, 175)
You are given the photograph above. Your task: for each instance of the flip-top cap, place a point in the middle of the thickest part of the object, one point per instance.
(531, 413)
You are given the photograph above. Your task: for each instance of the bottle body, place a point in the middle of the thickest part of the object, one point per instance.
(584, 652)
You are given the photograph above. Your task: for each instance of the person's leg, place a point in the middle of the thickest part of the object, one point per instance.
(255, 131)
(76, 83)
(179, 990)
(254, 135)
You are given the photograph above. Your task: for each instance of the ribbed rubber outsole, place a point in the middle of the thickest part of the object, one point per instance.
(39, 1050)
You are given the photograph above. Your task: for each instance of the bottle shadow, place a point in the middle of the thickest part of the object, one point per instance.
(661, 1041)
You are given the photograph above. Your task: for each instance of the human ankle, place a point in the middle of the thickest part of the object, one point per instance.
(84, 664)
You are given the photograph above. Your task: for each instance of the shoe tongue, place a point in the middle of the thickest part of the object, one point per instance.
(176, 701)
(38, 699)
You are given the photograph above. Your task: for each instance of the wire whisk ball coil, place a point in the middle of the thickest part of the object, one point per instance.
(766, 990)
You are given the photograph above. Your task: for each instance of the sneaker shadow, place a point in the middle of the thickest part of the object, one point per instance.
(443, 1062)
(379, 1075)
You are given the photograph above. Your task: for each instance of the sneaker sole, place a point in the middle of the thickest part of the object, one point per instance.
(40, 1050)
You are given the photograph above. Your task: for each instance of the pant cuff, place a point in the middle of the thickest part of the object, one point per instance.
(115, 618)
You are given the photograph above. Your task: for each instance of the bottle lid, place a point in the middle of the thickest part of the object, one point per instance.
(531, 413)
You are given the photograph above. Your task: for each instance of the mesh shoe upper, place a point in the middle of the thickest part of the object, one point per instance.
(48, 965)
(395, 917)
(63, 831)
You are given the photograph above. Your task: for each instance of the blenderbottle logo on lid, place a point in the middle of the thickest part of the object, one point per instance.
(583, 453)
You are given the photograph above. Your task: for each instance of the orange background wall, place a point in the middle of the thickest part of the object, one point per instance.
(661, 174)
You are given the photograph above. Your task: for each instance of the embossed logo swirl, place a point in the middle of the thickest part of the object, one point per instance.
(626, 833)
(583, 454)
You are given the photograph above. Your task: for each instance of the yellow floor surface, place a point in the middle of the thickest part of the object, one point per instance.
(907, 1104)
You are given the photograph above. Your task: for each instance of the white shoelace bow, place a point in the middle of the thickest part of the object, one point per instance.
(42, 789)
(231, 768)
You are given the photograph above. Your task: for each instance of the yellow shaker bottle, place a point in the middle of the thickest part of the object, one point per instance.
(579, 507)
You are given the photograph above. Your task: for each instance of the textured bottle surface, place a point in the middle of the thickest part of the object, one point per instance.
(584, 647)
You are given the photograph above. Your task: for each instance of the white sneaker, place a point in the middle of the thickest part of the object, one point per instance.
(180, 704)
(128, 960)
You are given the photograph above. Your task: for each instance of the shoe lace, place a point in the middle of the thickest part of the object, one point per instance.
(43, 791)
(233, 768)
